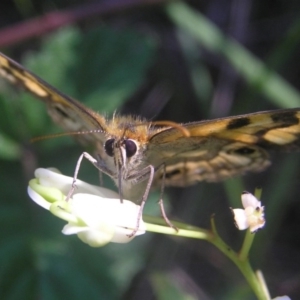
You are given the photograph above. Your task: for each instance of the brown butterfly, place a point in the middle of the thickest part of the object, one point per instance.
(136, 154)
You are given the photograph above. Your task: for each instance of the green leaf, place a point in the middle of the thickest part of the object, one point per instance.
(111, 65)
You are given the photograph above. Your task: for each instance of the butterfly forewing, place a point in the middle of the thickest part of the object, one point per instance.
(65, 111)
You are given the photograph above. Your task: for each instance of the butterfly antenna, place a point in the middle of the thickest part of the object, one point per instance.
(51, 136)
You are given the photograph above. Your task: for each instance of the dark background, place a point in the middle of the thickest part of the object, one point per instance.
(133, 57)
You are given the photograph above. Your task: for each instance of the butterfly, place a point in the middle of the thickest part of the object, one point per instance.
(137, 153)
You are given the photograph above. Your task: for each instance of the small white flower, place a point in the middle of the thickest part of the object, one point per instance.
(252, 216)
(282, 298)
(95, 214)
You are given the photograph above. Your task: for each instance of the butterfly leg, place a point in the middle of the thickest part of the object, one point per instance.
(147, 170)
(91, 159)
(95, 162)
(161, 202)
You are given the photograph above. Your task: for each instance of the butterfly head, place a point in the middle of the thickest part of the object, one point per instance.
(121, 150)
(125, 167)
(125, 140)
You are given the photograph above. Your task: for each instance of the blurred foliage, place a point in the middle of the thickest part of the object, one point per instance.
(176, 62)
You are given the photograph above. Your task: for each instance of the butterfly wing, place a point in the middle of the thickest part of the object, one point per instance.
(215, 149)
(225, 147)
(65, 111)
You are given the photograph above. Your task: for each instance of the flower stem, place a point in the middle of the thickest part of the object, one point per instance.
(239, 259)
(242, 263)
(249, 237)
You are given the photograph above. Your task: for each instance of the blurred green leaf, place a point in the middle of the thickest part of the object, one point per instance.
(260, 77)
(9, 149)
(285, 48)
(165, 288)
(232, 185)
(111, 64)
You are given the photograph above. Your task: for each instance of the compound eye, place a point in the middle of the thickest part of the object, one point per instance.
(130, 147)
(109, 147)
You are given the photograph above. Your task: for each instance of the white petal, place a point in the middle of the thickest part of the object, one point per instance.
(282, 298)
(64, 183)
(123, 235)
(240, 218)
(249, 211)
(95, 238)
(256, 227)
(249, 200)
(73, 229)
(97, 212)
(38, 199)
(91, 209)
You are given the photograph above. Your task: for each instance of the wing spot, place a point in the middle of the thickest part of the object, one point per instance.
(279, 137)
(62, 112)
(34, 87)
(4, 61)
(175, 172)
(238, 123)
(244, 150)
(287, 118)
(7, 75)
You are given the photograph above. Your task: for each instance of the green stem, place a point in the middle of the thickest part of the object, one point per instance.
(240, 260)
(248, 240)
(242, 263)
